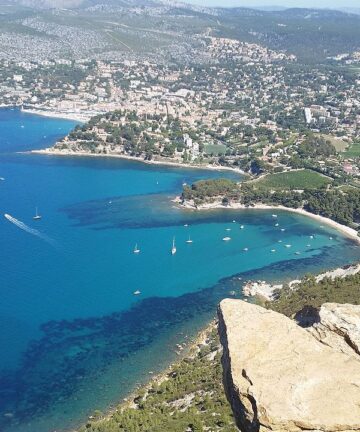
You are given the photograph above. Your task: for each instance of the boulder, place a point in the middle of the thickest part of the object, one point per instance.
(279, 378)
(339, 327)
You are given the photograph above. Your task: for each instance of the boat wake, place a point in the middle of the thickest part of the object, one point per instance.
(30, 230)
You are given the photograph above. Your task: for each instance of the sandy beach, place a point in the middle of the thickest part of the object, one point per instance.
(80, 117)
(53, 152)
(349, 232)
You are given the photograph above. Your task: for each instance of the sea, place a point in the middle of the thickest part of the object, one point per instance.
(83, 319)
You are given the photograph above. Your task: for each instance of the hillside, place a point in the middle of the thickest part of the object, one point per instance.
(174, 30)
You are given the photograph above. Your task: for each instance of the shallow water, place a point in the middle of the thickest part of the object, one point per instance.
(74, 337)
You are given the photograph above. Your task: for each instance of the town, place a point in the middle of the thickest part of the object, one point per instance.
(245, 107)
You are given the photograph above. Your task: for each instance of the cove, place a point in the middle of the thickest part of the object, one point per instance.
(74, 337)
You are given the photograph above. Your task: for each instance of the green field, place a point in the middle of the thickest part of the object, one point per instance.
(215, 149)
(302, 179)
(353, 151)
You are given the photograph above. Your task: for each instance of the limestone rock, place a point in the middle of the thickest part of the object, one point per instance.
(339, 327)
(279, 378)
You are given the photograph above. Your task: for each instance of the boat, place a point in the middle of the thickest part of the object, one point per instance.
(282, 229)
(189, 240)
(279, 241)
(186, 225)
(136, 249)
(308, 245)
(274, 216)
(234, 221)
(330, 238)
(311, 236)
(246, 249)
(173, 249)
(226, 238)
(241, 226)
(273, 250)
(288, 245)
(228, 229)
(2, 178)
(276, 224)
(37, 216)
(137, 292)
(297, 253)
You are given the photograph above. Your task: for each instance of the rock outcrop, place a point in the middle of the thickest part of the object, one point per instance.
(339, 327)
(279, 378)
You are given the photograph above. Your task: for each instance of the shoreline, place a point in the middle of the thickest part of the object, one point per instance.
(200, 338)
(51, 152)
(349, 232)
(265, 290)
(82, 118)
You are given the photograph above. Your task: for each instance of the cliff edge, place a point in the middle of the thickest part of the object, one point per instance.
(279, 378)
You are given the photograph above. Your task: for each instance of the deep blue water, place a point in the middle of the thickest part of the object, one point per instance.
(73, 336)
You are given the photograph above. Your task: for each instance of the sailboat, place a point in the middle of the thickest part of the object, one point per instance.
(136, 249)
(37, 216)
(189, 240)
(173, 249)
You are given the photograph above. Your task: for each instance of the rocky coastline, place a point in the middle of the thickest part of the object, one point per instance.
(279, 377)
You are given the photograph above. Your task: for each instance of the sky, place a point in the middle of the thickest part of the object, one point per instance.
(289, 3)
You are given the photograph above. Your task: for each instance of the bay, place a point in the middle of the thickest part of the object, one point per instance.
(73, 336)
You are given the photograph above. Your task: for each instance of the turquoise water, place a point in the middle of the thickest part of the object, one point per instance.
(73, 335)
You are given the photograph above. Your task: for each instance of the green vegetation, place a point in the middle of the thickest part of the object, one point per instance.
(340, 205)
(191, 398)
(315, 146)
(209, 190)
(302, 179)
(353, 151)
(216, 149)
(340, 145)
(309, 293)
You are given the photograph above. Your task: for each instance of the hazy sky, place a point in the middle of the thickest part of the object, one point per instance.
(289, 3)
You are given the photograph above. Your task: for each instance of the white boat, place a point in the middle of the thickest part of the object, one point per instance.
(2, 178)
(137, 292)
(189, 240)
(226, 238)
(276, 224)
(246, 249)
(186, 225)
(297, 253)
(308, 245)
(274, 216)
(311, 236)
(37, 216)
(330, 238)
(136, 249)
(241, 226)
(282, 229)
(279, 241)
(234, 221)
(173, 249)
(273, 250)
(228, 229)
(288, 245)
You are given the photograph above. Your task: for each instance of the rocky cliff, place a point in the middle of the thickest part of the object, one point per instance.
(339, 327)
(279, 378)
